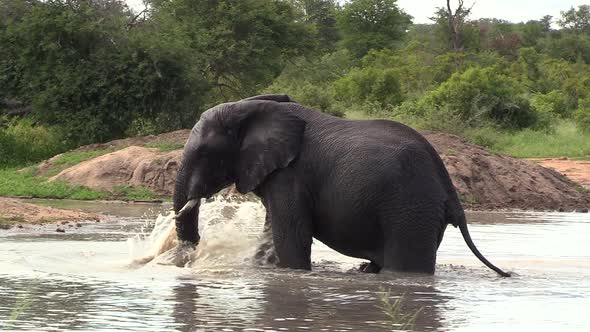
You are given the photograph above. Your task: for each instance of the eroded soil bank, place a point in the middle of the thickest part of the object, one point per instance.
(16, 213)
(491, 181)
(484, 180)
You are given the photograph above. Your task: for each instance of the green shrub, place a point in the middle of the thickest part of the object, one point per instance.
(553, 102)
(369, 85)
(479, 96)
(582, 115)
(412, 108)
(309, 82)
(23, 142)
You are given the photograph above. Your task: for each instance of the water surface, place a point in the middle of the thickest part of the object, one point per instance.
(82, 280)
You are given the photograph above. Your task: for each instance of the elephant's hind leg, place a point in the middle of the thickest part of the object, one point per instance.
(369, 267)
(412, 245)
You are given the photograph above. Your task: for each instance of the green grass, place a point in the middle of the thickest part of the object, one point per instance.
(134, 193)
(23, 184)
(23, 303)
(70, 159)
(395, 313)
(165, 146)
(565, 141)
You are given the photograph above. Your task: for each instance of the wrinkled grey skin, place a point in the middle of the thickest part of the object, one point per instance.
(375, 189)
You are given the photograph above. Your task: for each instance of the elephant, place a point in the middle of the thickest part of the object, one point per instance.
(372, 189)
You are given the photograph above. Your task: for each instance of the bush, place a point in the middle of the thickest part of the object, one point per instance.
(369, 85)
(554, 102)
(310, 82)
(480, 96)
(582, 115)
(23, 142)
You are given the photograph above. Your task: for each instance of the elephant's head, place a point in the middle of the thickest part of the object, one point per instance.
(242, 143)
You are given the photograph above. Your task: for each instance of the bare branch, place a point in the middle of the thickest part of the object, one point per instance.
(134, 19)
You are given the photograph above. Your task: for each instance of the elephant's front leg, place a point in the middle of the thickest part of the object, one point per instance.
(265, 254)
(291, 230)
(292, 237)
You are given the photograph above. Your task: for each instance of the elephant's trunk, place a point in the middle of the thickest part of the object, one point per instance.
(187, 210)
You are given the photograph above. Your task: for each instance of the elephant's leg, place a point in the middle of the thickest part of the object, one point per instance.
(291, 223)
(292, 236)
(412, 245)
(265, 253)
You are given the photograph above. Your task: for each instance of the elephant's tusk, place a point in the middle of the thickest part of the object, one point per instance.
(187, 208)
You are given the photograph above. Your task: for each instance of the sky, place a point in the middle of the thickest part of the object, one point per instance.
(510, 10)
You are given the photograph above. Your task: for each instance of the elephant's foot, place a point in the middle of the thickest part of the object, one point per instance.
(265, 254)
(178, 256)
(369, 267)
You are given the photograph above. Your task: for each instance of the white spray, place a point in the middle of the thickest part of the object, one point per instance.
(229, 230)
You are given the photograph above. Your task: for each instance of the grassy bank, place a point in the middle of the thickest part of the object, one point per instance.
(564, 140)
(22, 183)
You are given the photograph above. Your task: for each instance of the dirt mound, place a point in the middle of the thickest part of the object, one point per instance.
(175, 139)
(486, 180)
(132, 166)
(14, 212)
(483, 179)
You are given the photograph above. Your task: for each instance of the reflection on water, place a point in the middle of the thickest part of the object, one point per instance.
(83, 280)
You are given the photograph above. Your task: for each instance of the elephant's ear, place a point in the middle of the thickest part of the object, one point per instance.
(270, 138)
(272, 97)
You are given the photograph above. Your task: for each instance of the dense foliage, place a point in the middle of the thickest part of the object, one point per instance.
(94, 70)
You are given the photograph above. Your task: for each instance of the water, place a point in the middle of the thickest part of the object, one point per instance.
(85, 280)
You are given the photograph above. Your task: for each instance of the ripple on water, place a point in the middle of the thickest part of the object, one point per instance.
(82, 280)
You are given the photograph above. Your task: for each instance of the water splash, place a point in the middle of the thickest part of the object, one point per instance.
(144, 248)
(226, 226)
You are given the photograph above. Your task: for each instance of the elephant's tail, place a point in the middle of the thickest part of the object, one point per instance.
(467, 237)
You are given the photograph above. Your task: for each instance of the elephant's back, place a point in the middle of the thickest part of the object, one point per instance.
(372, 156)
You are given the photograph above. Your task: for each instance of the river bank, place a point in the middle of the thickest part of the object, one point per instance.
(18, 213)
(144, 169)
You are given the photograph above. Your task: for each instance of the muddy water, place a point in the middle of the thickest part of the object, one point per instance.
(83, 279)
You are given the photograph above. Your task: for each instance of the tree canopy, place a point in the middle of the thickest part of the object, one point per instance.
(94, 70)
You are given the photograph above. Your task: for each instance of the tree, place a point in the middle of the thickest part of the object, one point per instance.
(321, 14)
(451, 25)
(240, 46)
(372, 24)
(456, 20)
(531, 32)
(576, 20)
(82, 70)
